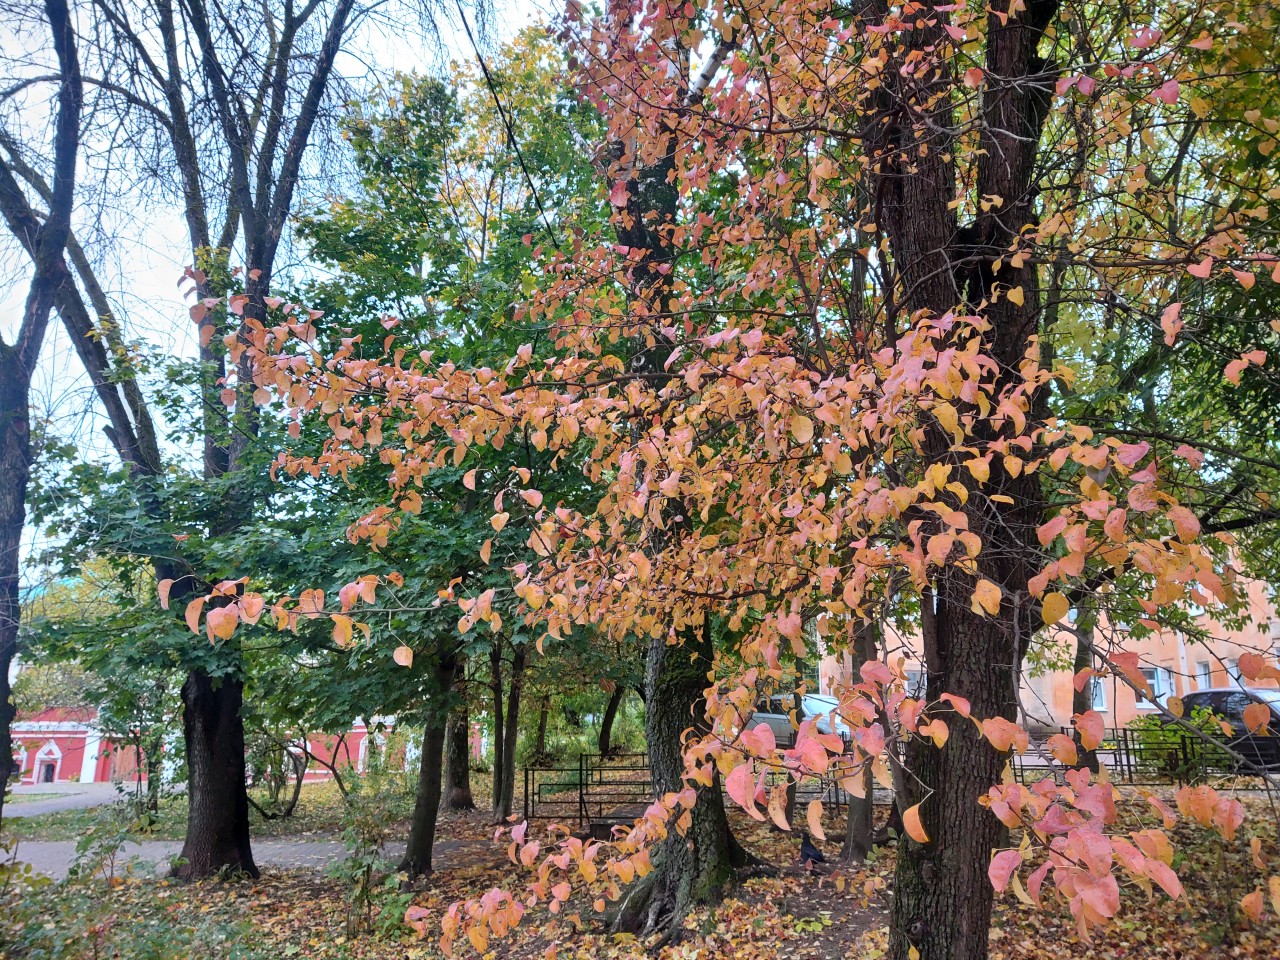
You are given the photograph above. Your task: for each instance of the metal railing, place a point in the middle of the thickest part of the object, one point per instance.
(603, 789)
(591, 789)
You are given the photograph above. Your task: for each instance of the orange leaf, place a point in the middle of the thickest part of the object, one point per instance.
(162, 590)
(911, 823)
(814, 815)
(193, 613)
(1252, 905)
(1257, 717)
(1092, 728)
(403, 656)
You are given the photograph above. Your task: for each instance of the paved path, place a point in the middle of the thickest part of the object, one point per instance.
(54, 857)
(52, 797)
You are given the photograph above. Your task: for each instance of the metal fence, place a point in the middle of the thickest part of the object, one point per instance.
(591, 789)
(610, 789)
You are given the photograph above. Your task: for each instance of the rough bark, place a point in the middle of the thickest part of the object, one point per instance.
(859, 835)
(499, 729)
(457, 763)
(605, 743)
(426, 803)
(504, 800)
(700, 865)
(45, 242)
(217, 838)
(540, 741)
(942, 902)
(1082, 699)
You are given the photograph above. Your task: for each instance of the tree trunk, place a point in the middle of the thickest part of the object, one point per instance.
(605, 744)
(540, 742)
(504, 802)
(45, 241)
(942, 897)
(499, 727)
(217, 800)
(14, 468)
(426, 803)
(697, 867)
(859, 833)
(1082, 699)
(457, 763)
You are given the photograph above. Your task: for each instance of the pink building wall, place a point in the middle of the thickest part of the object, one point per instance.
(1181, 664)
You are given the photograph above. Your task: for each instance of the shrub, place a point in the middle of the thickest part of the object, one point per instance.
(1167, 751)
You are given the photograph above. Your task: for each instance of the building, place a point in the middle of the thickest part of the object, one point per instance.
(1172, 663)
(60, 745)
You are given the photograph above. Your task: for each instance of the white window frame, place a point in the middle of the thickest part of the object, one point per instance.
(1234, 677)
(1160, 679)
(1098, 694)
(1204, 674)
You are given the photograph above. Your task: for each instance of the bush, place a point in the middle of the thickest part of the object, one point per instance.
(1167, 751)
(375, 804)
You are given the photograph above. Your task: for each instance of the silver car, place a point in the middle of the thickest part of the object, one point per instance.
(776, 711)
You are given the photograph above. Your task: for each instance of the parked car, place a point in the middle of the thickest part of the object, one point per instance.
(776, 712)
(1229, 703)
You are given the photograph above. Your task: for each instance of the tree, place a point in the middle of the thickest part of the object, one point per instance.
(229, 97)
(431, 245)
(44, 240)
(843, 396)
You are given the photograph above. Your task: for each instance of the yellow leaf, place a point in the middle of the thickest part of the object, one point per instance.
(986, 598)
(980, 469)
(1054, 608)
(341, 630)
(802, 428)
(1015, 296)
(499, 520)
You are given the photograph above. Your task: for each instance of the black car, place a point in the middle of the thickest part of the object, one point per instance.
(1229, 703)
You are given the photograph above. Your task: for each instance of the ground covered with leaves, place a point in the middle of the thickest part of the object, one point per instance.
(825, 913)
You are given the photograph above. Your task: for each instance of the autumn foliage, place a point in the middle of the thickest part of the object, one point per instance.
(836, 409)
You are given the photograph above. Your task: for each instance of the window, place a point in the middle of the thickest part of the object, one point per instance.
(1204, 675)
(915, 683)
(1233, 707)
(1098, 693)
(1233, 671)
(1160, 679)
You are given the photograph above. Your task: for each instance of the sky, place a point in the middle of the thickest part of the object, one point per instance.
(142, 268)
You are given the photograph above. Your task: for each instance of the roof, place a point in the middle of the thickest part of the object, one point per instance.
(1257, 691)
(60, 715)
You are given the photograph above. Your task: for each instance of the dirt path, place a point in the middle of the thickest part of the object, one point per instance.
(54, 857)
(35, 799)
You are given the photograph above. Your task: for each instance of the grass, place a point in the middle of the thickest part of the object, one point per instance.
(318, 817)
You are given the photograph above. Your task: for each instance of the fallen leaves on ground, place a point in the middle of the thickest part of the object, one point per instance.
(801, 914)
